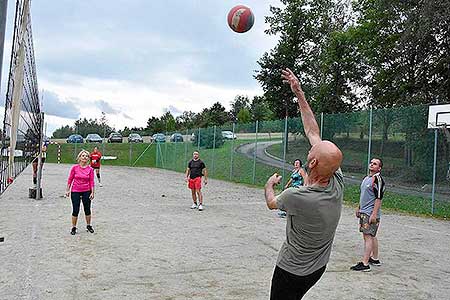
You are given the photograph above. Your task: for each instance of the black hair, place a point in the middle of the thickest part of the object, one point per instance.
(379, 159)
(301, 164)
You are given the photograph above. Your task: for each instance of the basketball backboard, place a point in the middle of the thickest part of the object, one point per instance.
(438, 116)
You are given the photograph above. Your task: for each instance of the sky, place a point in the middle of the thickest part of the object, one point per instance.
(134, 59)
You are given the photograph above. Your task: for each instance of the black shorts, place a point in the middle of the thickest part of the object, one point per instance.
(95, 168)
(35, 160)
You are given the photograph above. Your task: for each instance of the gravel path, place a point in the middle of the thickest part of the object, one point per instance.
(148, 244)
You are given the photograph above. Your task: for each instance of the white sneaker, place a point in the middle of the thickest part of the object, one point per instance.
(100, 184)
(194, 206)
(200, 207)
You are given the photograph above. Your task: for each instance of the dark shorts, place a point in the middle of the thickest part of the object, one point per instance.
(35, 160)
(367, 228)
(96, 167)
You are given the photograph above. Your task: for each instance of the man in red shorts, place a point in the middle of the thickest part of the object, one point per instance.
(95, 157)
(194, 172)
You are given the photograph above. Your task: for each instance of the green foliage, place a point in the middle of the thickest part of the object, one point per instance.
(237, 105)
(208, 139)
(63, 132)
(244, 116)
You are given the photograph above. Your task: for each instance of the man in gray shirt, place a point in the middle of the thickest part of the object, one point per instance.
(313, 210)
(369, 213)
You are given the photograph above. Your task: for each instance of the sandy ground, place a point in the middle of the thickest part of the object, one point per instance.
(150, 246)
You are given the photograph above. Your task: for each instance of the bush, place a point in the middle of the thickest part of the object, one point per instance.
(207, 138)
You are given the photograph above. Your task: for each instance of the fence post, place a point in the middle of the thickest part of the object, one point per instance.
(255, 151)
(369, 147)
(214, 149)
(284, 149)
(232, 150)
(129, 156)
(321, 125)
(434, 170)
(185, 149)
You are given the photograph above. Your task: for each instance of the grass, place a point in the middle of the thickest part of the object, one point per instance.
(174, 156)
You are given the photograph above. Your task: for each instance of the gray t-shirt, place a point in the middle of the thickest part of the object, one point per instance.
(312, 217)
(372, 188)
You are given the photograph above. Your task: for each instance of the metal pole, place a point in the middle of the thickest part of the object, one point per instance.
(369, 148)
(254, 152)
(198, 145)
(214, 149)
(131, 152)
(434, 170)
(232, 150)
(39, 166)
(284, 149)
(321, 125)
(3, 12)
(185, 148)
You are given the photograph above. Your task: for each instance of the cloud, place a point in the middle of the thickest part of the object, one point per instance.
(127, 116)
(173, 110)
(53, 105)
(106, 107)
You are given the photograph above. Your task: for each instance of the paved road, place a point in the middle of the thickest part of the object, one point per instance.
(148, 244)
(266, 158)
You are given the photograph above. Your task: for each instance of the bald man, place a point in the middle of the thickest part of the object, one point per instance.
(313, 210)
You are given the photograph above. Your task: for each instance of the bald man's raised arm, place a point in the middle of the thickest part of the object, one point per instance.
(310, 126)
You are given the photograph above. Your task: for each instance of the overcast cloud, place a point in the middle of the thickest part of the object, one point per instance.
(135, 59)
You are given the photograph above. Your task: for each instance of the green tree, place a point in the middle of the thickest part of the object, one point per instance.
(63, 132)
(244, 116)
(237, 104)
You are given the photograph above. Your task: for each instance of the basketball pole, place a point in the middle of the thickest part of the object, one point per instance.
(434, 170)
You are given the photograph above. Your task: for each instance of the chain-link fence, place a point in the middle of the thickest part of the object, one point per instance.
(250, 153)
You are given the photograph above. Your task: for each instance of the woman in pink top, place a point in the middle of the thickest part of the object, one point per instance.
(80, 185)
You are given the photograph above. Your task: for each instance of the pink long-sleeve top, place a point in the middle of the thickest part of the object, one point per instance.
(82, 178)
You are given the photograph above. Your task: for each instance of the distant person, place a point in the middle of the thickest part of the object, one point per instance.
(298, 178)
(369, 213)
(96, 157)
(298, 175)
(194, 172)
(313, 210)
(36, 162)
(80, 185)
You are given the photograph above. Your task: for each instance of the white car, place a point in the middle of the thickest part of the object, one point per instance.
(228, 135)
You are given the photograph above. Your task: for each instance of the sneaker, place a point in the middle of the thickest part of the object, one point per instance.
(375, 262)
(194, 206)
(90, 229)
(360, 267)
(100, 184)
(200, 207)
(282, 214)
(73, 231)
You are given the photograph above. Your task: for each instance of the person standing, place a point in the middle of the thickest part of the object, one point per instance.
(298, 175)
(96, 157)
(36, 162)
(369, 213)
(298, 178)
(195, 171)
(313, 210)
(80, 185)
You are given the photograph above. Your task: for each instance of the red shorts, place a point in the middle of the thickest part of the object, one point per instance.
(195, 184)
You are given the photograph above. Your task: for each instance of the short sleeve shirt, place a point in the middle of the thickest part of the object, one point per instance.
(196, 167)
(95, 159)
(313, 214)
(372, 188)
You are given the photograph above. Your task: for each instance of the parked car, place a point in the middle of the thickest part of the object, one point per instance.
(75, 138)
(135, 138)
(159, 137)
(176, 137)
(93, 138)
(228, 135)
(115, 137)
